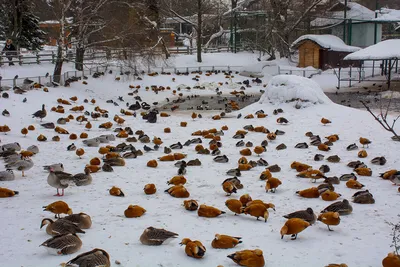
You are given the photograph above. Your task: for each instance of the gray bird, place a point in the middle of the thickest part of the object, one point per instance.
(82, 179)
(11, 146)
(51, 125)
(7, 175)
(34, 149)
(308, 215)
(156, 237)
(59, 180)
(22, 165)
(94, 258)
(58, 167)
(82, 220)
(60, 227)
(343, 207)
(63, 244)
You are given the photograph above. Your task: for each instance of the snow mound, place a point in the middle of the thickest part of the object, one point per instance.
(255, 70)
(301, 91)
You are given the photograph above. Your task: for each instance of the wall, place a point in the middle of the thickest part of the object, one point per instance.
(362, 33)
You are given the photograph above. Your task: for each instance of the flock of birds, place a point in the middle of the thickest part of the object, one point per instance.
(66, 231)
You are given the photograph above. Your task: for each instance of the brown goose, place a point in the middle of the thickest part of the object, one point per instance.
(63, 244)
(94, 258)
(40, 113)
(60, 227)
(156, 237)
(82, 220)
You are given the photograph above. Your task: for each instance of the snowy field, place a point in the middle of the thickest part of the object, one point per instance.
(362, 238)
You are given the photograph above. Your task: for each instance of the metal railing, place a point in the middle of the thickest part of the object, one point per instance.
(128, 72)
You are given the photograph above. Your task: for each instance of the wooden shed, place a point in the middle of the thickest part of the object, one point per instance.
(322, 51)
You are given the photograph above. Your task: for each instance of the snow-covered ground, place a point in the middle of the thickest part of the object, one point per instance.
(362, 239)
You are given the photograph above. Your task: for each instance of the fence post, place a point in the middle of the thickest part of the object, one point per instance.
(187, 69)
(14, 82)
(229, 68)
(175, 70)
(373, 68)
(20, 59)
(40, 80)
(279, 70)
(53, 61)
(37, 58)
(304, 73)
(350, 77)
(1, 59)
(339, 78)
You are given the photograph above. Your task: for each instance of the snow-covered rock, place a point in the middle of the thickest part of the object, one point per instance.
(290, 88)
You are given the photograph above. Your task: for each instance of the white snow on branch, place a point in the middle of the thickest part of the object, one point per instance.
(214, 36)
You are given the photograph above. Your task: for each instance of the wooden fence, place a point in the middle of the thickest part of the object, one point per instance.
(33, 57)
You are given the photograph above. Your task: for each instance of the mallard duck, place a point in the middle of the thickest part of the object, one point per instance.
(7, 175)
(34, 149)
(346, 177)
(107, 168)
(156, 237)
(63, 244)
(343, 207)
(301, 145)
(40, 113)
(240, 143)
(221, 159)
(82, 179)
(194, 162)
(94, 258)
(176, 146)
(115, 161)
(82, 220)
(60, 227)
(49, 125)
(379, 161)
(58, 180)
(395, 178)
(308, 215)
(352, 147)
(318, 157)
(22, 165)
(333, 159)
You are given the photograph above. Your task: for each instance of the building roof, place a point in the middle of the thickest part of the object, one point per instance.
(335, 14)
(192, 19)
(327, 41)
(388, 15)
(388, 49)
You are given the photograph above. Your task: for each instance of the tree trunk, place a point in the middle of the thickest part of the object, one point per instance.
(59, 63)
(199, 29)
(80, 52)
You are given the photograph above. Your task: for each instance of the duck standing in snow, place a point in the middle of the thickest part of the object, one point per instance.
(40, 113)
(58, 180)
(23, 165)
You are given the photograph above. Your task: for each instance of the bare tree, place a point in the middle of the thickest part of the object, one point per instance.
(382, 117)
(60, 9)
(203, 8)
